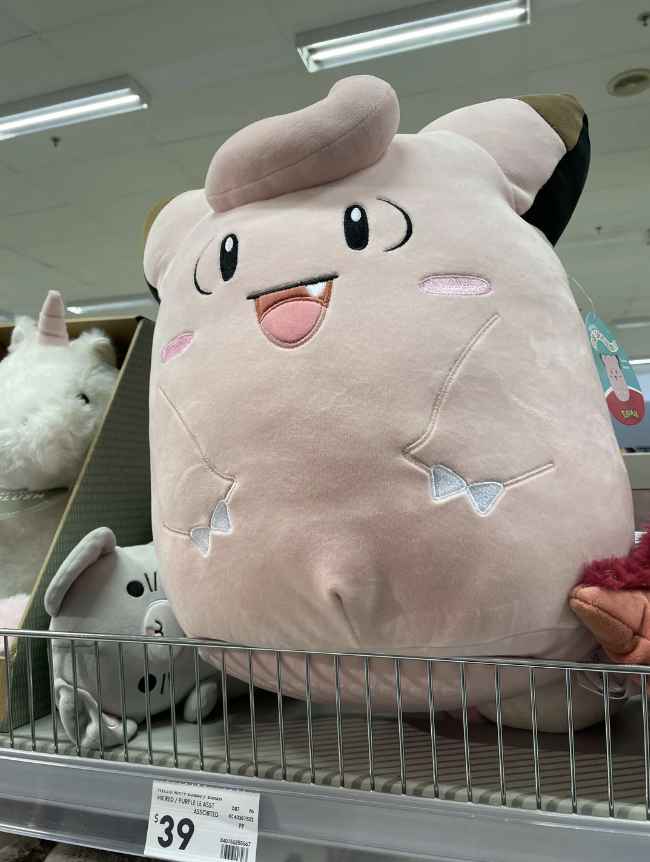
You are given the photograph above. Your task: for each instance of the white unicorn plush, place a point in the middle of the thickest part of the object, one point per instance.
(53, 393)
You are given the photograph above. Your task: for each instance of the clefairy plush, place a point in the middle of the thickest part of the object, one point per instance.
(376, 425)
(53, 394)
(104, 589)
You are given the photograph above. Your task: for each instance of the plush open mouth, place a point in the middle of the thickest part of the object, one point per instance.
(291, 315)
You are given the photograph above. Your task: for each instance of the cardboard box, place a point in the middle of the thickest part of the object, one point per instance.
(113, 490)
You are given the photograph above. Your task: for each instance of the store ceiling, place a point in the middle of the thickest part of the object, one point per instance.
(70, 215)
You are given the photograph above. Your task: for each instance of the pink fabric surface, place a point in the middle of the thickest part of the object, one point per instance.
(324, 451)
(52, 330)
(525, 147)
(177, 346)
(455, 285)
(292, 321)
(338, 136)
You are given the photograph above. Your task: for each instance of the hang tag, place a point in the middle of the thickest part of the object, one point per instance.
(620, 686)
(202, 824)
(620, 385)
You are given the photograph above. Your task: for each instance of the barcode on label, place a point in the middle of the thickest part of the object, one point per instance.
(234, 853)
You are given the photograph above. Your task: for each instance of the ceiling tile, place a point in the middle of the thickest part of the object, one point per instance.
(81, 249)
(584, 226)
(126, 215)
(588, 80)
(112, 176)
(153, 34)
(196, 154)
(207, 110)
(78, 143)
(579, 31)
(11, 262)
(122, 270)
(19, 195)
(640, 305)
(10, 29)
(31, 285)
(23, 231)
(612, 170)
(420, 110)
(40, 15)
(296, 16)
(620, 199)
(30, 68)
(112, 287)
(624, 129)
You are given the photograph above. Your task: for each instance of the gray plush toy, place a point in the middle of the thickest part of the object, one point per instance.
(103, 589)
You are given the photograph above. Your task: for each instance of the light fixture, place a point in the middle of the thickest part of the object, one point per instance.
(89, 102)
(639, 361)
(631, 324)
(629, 83)
(110, 305)
(408, 29)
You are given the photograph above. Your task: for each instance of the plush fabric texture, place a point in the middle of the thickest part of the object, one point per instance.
(101, 588)
(546, 189)
(619, 619)
(323, 448)
(339, 136)
(631, 572)
(53, 394)
(613, 601)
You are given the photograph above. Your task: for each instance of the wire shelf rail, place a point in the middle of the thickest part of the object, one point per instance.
(603, 771)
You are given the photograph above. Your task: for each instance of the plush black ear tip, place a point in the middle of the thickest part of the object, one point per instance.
(154, 292)
(557, 199)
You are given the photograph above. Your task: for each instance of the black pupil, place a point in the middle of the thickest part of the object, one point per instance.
(355, 227)
(228, 256)
(135, 589)
(84, 397)
(152, 683)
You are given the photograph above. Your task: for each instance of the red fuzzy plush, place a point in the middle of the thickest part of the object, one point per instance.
(622, 573)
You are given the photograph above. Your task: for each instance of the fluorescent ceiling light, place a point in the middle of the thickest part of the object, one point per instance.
(90, 102)
(110, 305)
(418, 27)
(632, 324)
(639, 361)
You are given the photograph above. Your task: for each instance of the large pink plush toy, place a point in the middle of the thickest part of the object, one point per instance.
(376, 422)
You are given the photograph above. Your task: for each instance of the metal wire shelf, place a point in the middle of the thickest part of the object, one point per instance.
(263, 738)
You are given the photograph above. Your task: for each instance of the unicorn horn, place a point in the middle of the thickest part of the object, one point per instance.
(51, 322)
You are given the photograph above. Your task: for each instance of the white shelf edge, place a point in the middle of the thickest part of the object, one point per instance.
(106, 805)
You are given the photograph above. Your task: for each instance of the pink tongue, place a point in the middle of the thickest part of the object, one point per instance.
(292, 321)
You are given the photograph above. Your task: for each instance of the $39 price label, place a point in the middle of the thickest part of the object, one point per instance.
(195, 823)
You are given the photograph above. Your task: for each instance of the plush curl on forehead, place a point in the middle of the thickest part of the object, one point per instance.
(347, 131)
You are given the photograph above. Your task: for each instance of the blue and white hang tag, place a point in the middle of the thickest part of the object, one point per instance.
(622, 391)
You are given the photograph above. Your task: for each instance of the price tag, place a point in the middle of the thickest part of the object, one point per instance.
(202, 824)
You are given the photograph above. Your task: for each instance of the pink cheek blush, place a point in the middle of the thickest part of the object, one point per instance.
(455, 285)
(177, 346)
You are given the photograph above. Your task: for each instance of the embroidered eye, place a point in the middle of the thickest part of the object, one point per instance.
(355, 227)
(228, 256)
(83, 397)
(152, 683)
(135, 589)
